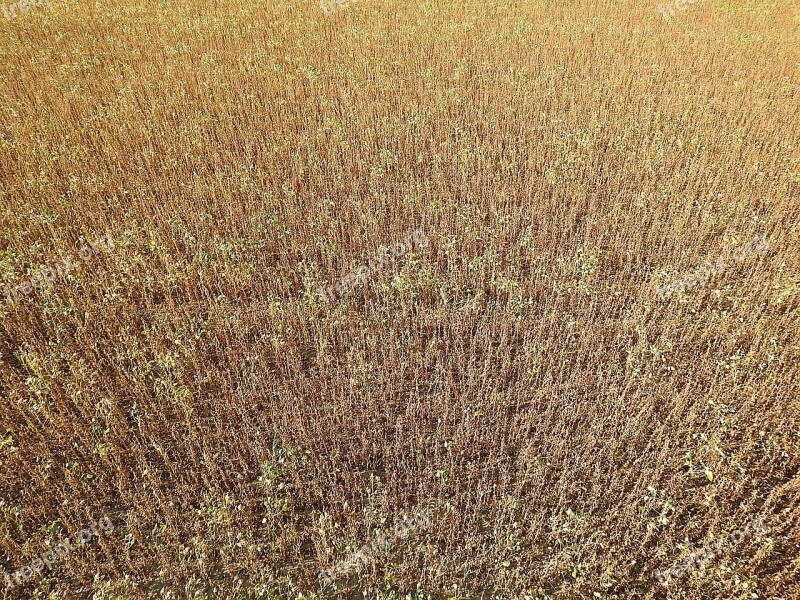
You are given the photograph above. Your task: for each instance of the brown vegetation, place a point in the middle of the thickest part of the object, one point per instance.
(573, 431)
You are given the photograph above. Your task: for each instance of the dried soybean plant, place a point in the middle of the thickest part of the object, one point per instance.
(572, 430)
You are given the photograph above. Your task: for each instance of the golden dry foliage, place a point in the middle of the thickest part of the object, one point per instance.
(575, 431)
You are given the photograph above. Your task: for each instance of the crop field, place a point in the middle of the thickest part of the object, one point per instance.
(400, 300)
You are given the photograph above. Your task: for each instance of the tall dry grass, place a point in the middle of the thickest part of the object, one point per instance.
(576, 432)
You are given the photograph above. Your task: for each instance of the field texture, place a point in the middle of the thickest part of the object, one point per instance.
(400, 299)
